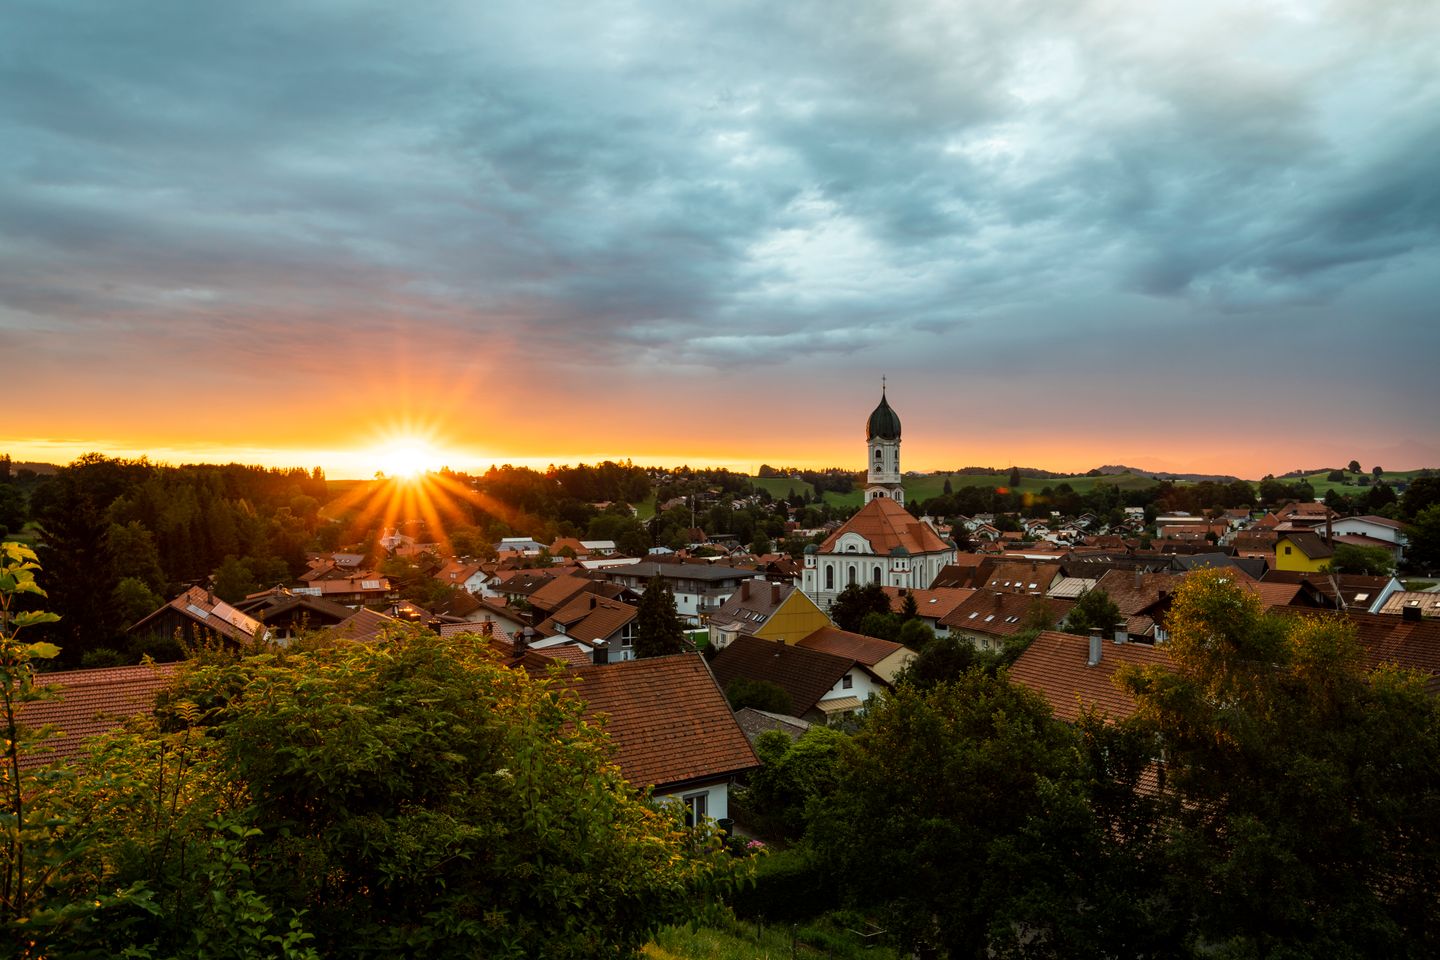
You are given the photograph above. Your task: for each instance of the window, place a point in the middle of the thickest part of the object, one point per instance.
(1287, 550)
(877, 574)
(829, 577)
(697, 807)
(850, 575)
(846, 682)
(877, 454)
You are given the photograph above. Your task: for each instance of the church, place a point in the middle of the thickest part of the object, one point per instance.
(882, 543)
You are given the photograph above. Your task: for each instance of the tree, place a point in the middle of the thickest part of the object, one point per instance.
(743, 692)
(1335, 476)
(12, 508)
(1371, 561)
(412, 797)
(1093, 610)
(915, 634)
(760, 545)
(882, 626)
(1378, 472)
(978, 837)
(658, 630)
(854, 602)
(133, 601)
(793, 775)
(1291, 769)
(234, 580)
(1423, 552)
(1014, 477)
(943, 660)
(1354, 466)
(1421, 493)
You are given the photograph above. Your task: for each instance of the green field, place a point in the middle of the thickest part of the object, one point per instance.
(933, 485)
(1323, 486)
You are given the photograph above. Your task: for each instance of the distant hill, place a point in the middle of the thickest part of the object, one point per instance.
(43, 469)
(1111, 469)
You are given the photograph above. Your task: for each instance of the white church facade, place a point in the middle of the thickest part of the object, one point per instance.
(882, 543)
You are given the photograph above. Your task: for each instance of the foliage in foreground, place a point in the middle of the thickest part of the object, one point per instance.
(833, 937)
(410, 798)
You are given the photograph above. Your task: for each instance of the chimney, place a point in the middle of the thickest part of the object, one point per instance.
(592, 601)
(1095, 644)
(1122, 633)
(1139, 578)
(1410, 613)
(774, 593)
(600, 654)
(1329, 528)
(522, 641)
(487, 629)
(745, 590)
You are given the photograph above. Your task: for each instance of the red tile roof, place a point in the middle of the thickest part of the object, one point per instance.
(667, 718)
(588, 617)
(1056, 666)
(1021, 577)
(92, 702)
(887, 525)
(1002, 614)
(930, 604)
(851, 646)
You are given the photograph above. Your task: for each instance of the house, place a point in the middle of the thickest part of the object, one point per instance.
(1075, 674)
(699, 588)
(566, 587)
(1351, 592)
(755, 722)
(671, 728)
(351, 591)
(466, 575)
(1412, 643)
(593, 620)
(91, 703)
(770, 611)
(197, 615)
(1142, 598)
(1411, 603)
(989, 617)
(1372, 531)
(965, 571)
(365, 626)
(821, 686)
(883, 658)
(931, 605)
(287, 614)
(1020, 577)
(1300, 550)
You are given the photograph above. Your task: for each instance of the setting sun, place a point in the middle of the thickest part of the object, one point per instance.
(406, 459)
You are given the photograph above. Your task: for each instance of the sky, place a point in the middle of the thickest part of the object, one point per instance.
(1182, 236)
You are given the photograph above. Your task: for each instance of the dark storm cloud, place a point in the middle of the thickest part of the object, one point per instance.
(704, 185)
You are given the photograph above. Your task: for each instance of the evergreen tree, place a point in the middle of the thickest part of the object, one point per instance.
(658, 631)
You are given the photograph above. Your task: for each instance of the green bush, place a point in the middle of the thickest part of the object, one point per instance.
(790, 886)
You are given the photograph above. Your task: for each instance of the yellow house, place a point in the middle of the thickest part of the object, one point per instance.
(1305, 552)
(770, 611)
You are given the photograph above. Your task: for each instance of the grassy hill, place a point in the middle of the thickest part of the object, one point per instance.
(1322, 485)
(933, 485)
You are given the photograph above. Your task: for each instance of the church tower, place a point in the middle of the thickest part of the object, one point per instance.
(882, 439)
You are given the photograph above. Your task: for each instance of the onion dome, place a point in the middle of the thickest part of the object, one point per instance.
(883, 423)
